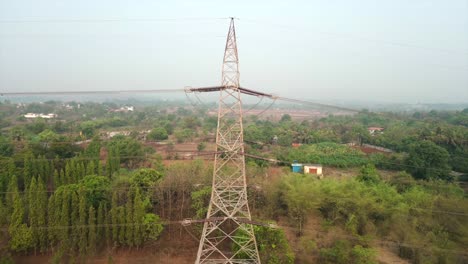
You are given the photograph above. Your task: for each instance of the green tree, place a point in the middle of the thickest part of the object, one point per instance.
(83, 231)
(138, 218)
(101, 214)
(369, 174)
(285, 118)
(92, 236)
(3, 212)
(33, 212)
(21, 238)
(145, 178)
(427, 161)
(115, 217)
(273, 246)
(10, 195)
(183, 135)
(153, 226)
(129, 150)
(200, 200)
(96, 189)
(130, 228)
(201, 146)
(122, 222)
(41, 214)
(75, 217)
(6, 147)
(63, 216)
(56, 180)
(52, 220)
(88, 128)
(158, 133)
(48, 136)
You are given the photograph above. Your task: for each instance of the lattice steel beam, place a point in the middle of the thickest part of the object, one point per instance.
(228, 235)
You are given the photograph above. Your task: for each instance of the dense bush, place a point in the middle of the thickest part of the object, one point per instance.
(410, 214)
(327, 153)
(272, 245)
(158, 133)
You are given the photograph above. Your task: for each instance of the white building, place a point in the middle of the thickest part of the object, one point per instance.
(123, 109)
(313, 169)
(35, 115)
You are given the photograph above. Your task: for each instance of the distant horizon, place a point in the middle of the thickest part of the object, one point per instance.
(358, 105)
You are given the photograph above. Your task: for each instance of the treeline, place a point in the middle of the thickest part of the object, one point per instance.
(68, 209)
(403, 133)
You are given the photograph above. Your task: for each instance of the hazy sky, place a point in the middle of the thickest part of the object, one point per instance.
(389, 51)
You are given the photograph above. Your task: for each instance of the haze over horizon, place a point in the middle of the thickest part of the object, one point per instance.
(392, 51)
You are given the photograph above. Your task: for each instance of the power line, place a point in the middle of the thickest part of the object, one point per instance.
(183, 223)
(379, 162)
(398, 243)
(358, 38)
(108, 20)
(317, 104)
(83, 142)
(197, 185)
(206, 153)
(256, 21)
(273, 97)
(91, 92)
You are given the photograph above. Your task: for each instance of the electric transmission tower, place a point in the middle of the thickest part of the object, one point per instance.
(228, 235)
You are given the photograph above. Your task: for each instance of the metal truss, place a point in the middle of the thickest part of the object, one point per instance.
(228, 235)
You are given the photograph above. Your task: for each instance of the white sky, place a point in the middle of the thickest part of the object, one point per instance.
(386, 51)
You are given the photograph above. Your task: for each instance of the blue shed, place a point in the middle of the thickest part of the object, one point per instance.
(296, 167)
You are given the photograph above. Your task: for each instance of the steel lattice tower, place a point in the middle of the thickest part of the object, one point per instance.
(228, 236)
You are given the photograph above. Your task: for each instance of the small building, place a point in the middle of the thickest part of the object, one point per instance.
(315, 169)
(111, 134)
(123, 109)
(31, 115)
(296, 167)
(374, 130)
(35, 115)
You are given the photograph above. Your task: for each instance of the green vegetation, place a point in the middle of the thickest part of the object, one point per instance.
(73, 190)
(158, 133)
(376, 209)
(331, 154)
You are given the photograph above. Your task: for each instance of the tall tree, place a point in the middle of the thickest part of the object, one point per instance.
(64, 219)
(92, 236)
(41, 202)
(115, 217)
(100, 235)
(56, 180)
(3, 212)
(129, 229)
(20, 235)
(138, 218)
(27, 169)
(107, 229)
(426, 160)
(90, 169)
(82, 222)
(75, 221)
(122, 224)
(32, 212)
(10, 195)
(52, 219)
